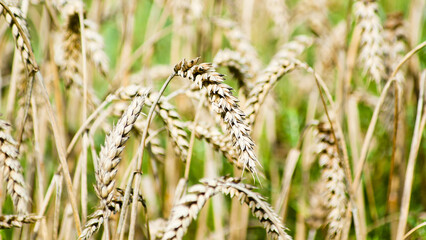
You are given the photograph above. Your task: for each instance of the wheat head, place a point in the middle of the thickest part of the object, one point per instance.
(225, 104)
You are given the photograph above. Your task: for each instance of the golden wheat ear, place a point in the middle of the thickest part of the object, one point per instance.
(107, 166)
(12, 169)
(371, 52)
(189, 206)
(226, 105)
(333, 178)
(18, 24)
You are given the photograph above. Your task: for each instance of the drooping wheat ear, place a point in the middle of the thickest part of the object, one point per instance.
(16, 221)
(218, 140)
(225, 104)
(18, 24)
(98, 217)
(12, 170)
(191, 204)
(333, 177)
(371, 52)
(236, 64)
(241, 43)
(168, 114)
(264, 84)
(109, 158)
(279, 13)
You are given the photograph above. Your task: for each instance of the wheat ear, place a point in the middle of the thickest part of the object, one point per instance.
(69, 52)
(371, 52)
(191, 204)
(16, 221)
(317, 209)
(225, 104)
(108, 160)
(12, 170)
(333, 177)
(18, 24)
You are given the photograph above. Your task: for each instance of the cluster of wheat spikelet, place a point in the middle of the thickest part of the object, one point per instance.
(108, 131)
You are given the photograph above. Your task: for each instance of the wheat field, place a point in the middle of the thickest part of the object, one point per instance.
(212, 119)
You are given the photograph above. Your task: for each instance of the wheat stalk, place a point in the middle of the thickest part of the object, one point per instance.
(333, 177)
(190, 205)
(12, 170)
(16, 221)
(371, 52)
(14, 17)
(109, 158)
(225, 104)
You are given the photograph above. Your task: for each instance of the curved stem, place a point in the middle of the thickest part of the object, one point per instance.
(406, 57)
(369, 135)
(414, 229)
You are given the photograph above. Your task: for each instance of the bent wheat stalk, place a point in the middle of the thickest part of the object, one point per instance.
(371, 53)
